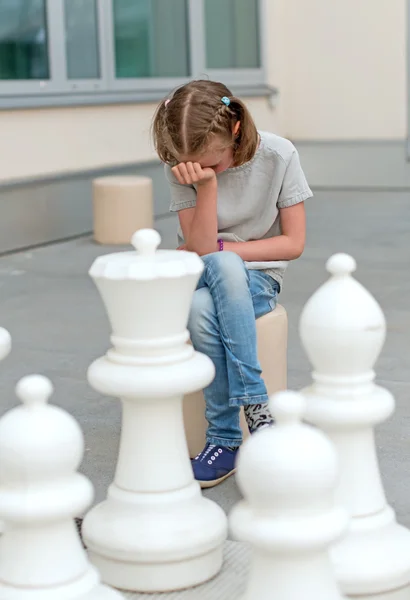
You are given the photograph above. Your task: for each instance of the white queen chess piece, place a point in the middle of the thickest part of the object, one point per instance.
(343, 330)
(287, 474)
(41, 555)
(155, 531)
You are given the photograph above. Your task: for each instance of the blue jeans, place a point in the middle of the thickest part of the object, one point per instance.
(222, 324)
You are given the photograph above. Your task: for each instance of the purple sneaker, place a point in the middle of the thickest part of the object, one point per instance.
(214, 464)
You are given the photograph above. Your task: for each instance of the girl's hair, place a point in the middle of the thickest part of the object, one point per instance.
(185, 123)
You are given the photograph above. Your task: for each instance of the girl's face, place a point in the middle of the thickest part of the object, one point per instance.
(217, 159)
(217, 156)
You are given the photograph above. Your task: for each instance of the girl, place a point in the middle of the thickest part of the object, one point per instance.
(239, 194)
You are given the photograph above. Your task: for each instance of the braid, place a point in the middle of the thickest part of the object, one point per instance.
(218, 123)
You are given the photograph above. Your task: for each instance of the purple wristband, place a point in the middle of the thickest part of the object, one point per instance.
(221, 245)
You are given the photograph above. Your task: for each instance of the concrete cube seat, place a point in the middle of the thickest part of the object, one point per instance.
(272, 332)
(121, 206)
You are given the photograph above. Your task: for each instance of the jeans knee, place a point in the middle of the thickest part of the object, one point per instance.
(202, 315)
(227, 264)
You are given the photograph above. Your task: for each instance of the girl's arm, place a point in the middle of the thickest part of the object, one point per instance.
(287, 246)
(199, 224)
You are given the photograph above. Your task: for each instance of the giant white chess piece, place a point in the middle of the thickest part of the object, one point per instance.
(287, 474)
(343, 329)
(41, 555)
(5, 343)
(155, 531)
(5, 347)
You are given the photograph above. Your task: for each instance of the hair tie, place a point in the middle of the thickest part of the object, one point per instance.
(225, 100)
(167, 101)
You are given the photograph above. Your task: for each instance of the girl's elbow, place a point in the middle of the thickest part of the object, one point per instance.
(297, 251)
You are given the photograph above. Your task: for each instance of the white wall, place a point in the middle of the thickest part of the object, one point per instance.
(341, 67)
(40, 142)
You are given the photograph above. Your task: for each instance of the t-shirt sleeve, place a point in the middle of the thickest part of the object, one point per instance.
(295, 188)
(182, 196)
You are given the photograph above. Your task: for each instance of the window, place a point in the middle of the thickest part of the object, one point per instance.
(81, 31)
(64, 50)
(232, 34)
(151, 38)
(23, 40)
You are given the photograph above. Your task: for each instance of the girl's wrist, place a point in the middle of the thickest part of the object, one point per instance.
(209, 181)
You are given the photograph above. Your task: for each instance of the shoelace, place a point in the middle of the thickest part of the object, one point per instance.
(205, 453)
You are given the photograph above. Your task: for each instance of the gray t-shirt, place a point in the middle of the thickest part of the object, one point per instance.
(250, 196)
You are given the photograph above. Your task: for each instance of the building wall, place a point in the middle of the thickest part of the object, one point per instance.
(58, 208)
(42, 142)
(341, 67)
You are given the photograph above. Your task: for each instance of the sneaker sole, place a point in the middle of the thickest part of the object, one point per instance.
(214, 482)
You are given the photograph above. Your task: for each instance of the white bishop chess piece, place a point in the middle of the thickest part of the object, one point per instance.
(155, 531)
(41, 555)
(287, 474)
(343, 330)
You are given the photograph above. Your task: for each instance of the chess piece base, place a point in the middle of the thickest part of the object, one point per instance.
(401, 594)
(88, 587)
(373, 559)
(160, 577)
(156, 542)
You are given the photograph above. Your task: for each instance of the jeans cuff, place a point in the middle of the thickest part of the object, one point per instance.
(245, 400)
(223, 442)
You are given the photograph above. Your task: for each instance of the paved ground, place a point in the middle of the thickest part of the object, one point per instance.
(58, 325)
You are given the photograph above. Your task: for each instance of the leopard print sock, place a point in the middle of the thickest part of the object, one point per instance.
(258, 416)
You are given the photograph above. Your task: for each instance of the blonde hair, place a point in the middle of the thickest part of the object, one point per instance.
(186, 123)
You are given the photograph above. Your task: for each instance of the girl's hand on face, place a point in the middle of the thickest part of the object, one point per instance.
(189, 173)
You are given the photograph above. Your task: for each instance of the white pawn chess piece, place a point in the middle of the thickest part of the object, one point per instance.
(287, 474)
(41, 555)
(155, 531)
(343, 329)
(5, 343)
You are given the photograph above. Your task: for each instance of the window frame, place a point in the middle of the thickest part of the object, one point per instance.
(58, 90)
